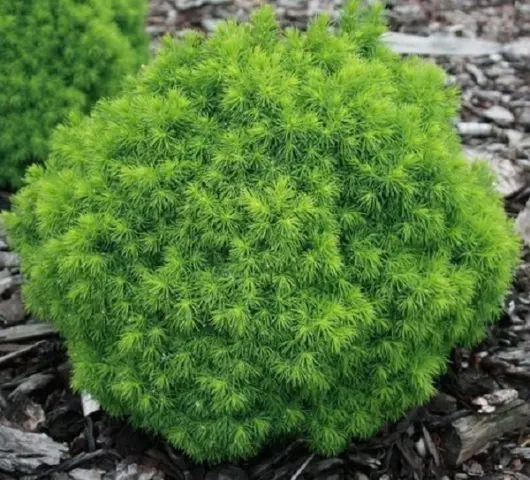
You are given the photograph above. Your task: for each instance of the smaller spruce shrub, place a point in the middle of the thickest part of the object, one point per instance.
(268, 233)
(58, 58)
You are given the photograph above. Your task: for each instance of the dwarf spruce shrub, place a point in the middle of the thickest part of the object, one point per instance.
(270, 233)
(58, 57)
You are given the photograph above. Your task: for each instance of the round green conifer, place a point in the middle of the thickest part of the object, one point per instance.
(58, 57)
(269, 233)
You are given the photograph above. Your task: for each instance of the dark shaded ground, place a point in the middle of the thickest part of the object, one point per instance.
(477, 426)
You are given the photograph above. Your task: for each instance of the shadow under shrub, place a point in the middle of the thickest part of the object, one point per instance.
(269, 233)
(58, 58)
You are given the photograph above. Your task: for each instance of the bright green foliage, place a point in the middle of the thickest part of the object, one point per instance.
(57, 58)
(269, 233)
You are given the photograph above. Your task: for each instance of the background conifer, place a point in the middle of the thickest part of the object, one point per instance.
(58, 57)
(269, 233)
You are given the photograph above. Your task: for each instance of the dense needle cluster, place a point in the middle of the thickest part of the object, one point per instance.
(58, 57)
(269, 233)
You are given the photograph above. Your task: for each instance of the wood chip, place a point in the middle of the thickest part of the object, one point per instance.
(86, 474)
(31, 384)
(477, 73)
(9, 260)
(502, 397)
(509, 177)
(25, 415)
(431, 447)
(521, 452)
(440, 45)
(500, 115)
(12, 310)
(490, 402)
(10, 357)
(25, 452)
(23, 333)
(90, 404)
(303, 467)
(475, 129)
(10, 282)
(522, 223)
(467, 436)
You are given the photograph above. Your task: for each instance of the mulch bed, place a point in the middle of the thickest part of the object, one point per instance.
(477, 425)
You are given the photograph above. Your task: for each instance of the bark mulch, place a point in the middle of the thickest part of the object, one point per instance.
(478, 424)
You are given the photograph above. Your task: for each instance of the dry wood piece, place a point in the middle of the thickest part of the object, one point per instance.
(523, 224)
(19, 353)
(25, 452)
(511, 475)
(500, 115)
(519, 355)
(12, 310)
(81, 459)
(490, 402)
(9, 260)
(509, 177)
(8, 348)
(90, 404)
(9, 282)
(303, 467)
(25, 415)
(85, 474)
(440, 45)
(477, 73)
(475, 129)
(32, 383)
(468, 435)
(431, 447)
(521, 452)
(22, 333)
(125, 471)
